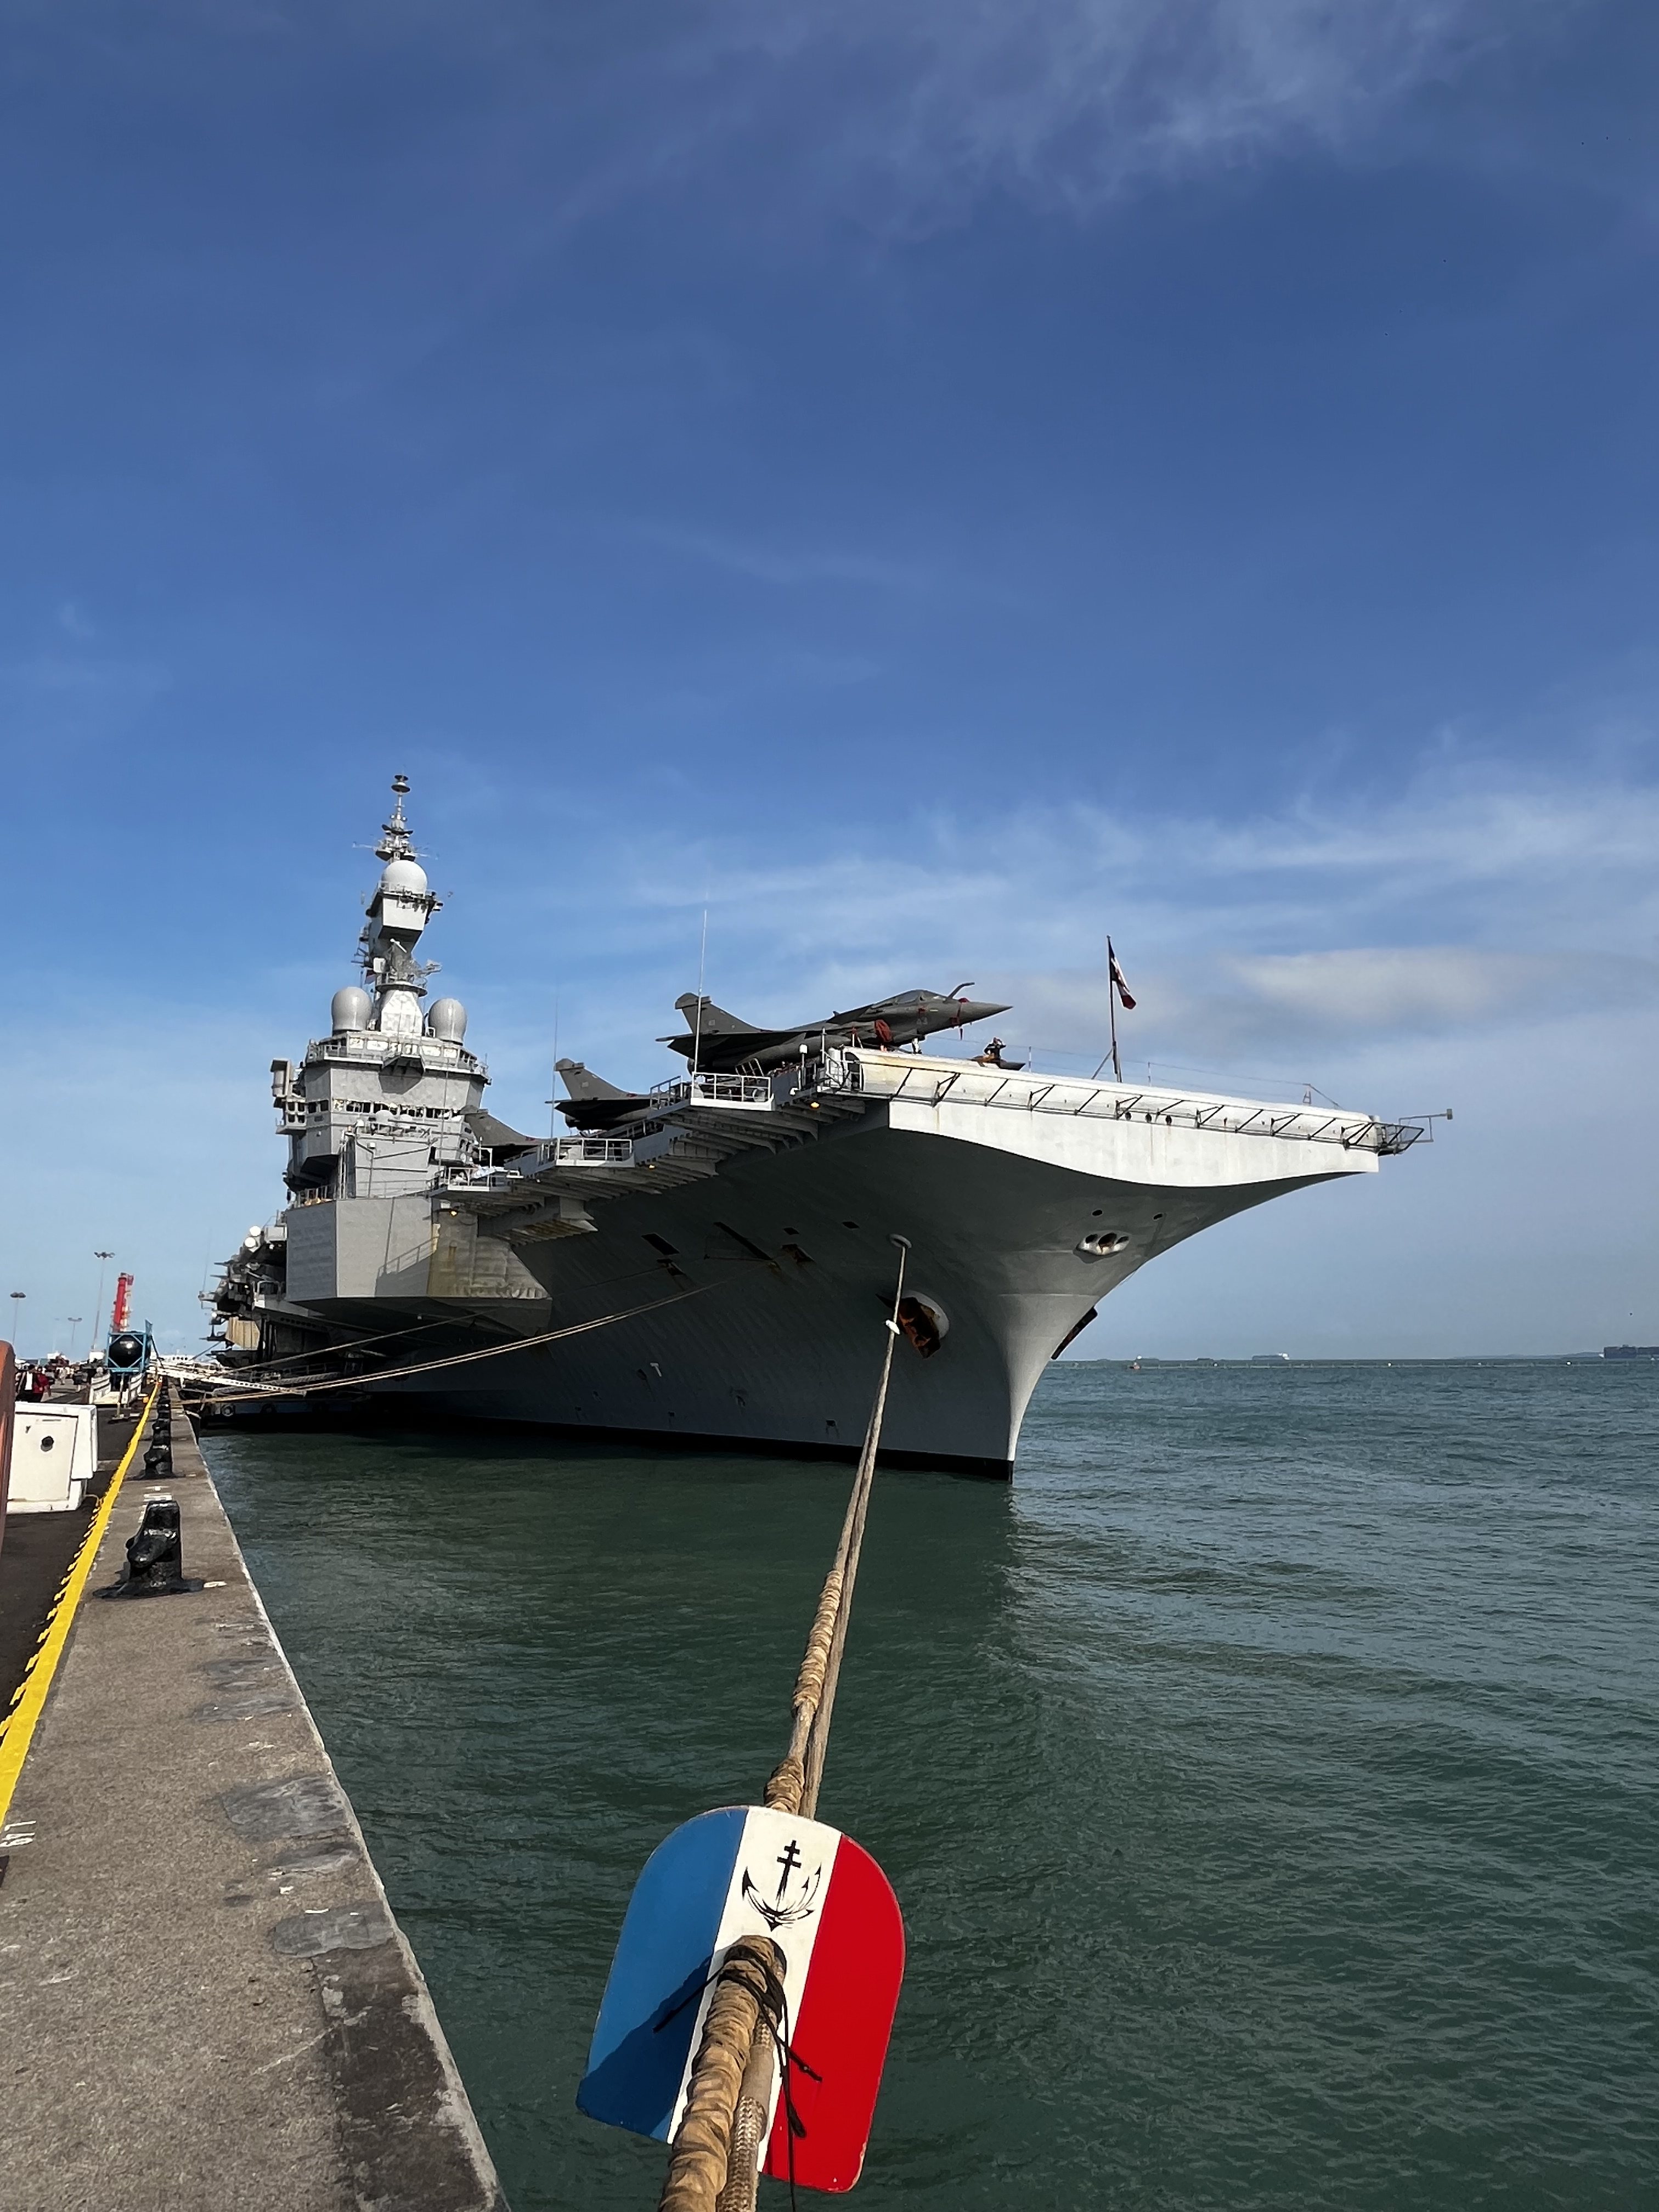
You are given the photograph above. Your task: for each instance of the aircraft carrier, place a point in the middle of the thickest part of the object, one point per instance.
(740, 1216)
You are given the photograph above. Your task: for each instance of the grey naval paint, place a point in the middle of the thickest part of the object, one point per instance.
(771, 1193)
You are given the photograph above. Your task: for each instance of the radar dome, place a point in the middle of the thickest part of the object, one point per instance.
(351, 1010)
(404, 879)
(447, 1020)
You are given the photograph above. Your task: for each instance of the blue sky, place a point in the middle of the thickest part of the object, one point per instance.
(934, 481)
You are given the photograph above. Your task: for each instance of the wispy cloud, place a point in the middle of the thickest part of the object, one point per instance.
(70, 684)
(1390, 987)
(1074, 100)
(903, 112)
(167, 1172)
(1311, 946)
(1460, 906)
(1311, 1017)
(1527, 848)
(766, 562)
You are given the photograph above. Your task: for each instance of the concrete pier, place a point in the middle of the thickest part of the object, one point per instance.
(206, 2004)
(38, 1551)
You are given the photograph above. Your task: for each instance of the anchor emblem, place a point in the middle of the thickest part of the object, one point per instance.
(774, 1911)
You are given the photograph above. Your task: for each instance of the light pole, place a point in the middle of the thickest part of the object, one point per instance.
(17, 1299)
(74, 1320)
(103, 1260)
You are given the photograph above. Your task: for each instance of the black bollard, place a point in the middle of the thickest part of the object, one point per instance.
(155, 1558)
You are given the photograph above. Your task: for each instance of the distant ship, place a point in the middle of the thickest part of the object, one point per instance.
(748, 1204)
(1630, 1352)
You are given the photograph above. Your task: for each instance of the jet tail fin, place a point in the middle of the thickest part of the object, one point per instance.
(715, 1021)
(581, 1083)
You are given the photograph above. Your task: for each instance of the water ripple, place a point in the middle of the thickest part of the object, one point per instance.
(1268, 1777)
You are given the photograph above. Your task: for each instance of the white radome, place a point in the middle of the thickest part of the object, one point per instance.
(447, 1020)
(404, 879)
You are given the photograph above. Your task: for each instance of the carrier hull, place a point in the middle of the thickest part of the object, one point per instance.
(768, 1279)
(714, 1261)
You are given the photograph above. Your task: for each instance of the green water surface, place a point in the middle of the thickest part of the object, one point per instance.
(1267, 1777)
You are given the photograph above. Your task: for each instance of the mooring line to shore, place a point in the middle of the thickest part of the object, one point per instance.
(17, 1728)
(719, 2146)
(356, 1344)
(411, 1329)
(432, 1366)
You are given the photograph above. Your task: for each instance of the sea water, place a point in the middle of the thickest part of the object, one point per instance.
(1268, 1775)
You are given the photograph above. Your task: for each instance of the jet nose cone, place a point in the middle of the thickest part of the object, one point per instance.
(980, 1010)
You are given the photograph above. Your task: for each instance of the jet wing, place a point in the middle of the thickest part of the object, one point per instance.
(503, 1143)
(719, 1041)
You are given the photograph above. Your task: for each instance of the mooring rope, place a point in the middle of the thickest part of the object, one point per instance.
(794, 1782)
(769, 2045)
(715, 2161)
(326, 1351)
(300, 1389)
(704, 2141)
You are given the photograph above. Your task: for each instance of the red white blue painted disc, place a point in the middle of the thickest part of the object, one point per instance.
(831, 1912)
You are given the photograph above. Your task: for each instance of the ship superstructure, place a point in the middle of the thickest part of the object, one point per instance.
(746, 1206)
(390, 1099)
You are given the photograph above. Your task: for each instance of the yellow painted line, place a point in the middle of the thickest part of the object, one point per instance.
(17, 1729)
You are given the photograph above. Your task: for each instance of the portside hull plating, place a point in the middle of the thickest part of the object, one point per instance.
(788, 1256)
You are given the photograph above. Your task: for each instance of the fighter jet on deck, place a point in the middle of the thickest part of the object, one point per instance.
(594, 1103)
(723, 1043)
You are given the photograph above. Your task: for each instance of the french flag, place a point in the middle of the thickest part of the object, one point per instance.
(746, 1870)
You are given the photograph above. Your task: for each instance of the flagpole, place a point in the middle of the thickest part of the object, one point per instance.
(1111, 1002)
